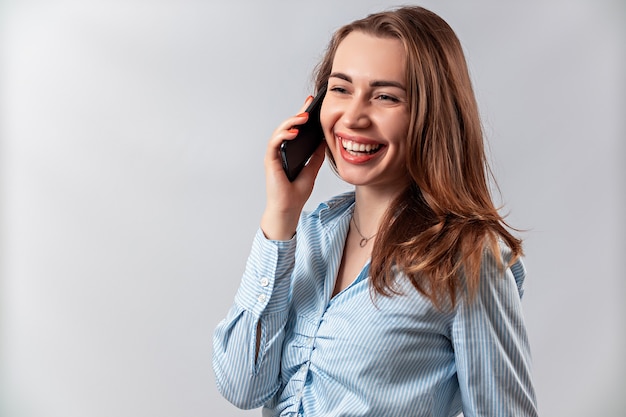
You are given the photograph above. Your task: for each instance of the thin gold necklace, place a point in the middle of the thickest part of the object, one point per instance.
(364, 239)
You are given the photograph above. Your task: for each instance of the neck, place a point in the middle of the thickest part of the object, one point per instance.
(370, 207)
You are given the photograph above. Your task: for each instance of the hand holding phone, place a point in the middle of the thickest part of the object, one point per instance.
(295, 153)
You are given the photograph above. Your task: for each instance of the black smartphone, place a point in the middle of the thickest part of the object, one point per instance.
(296, 152)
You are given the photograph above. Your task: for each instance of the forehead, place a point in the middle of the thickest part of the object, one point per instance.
(362, 54)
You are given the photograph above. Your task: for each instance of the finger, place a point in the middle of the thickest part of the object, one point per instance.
(307, 103)
(290, 126)
(287, 130)
(299, 118)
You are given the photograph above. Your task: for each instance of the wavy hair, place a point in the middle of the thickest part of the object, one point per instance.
(438, 229)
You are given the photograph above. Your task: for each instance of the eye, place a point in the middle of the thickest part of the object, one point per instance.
(339, 89)
(386, 97)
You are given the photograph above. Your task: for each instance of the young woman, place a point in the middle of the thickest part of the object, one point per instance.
(401, 298)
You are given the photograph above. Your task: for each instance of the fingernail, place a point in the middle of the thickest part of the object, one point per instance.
(308, 98)
(293, 130)
(301, 114)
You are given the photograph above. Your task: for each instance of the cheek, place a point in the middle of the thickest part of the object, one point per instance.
(399, 129)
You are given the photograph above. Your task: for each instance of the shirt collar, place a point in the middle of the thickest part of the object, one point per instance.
(332, 211)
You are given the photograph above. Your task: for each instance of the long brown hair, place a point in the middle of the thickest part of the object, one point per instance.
(438, 229)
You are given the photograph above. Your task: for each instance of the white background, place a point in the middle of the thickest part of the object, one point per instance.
(131, 184)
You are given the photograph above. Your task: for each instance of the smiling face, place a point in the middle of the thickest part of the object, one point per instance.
(365, 114)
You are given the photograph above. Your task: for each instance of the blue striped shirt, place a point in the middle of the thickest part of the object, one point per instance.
(355, 354)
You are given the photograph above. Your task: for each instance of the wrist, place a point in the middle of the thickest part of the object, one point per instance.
(279, 225)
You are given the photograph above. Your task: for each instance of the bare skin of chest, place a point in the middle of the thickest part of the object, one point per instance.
(353, 260)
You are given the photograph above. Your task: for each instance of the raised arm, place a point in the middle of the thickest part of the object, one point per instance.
(247, 344)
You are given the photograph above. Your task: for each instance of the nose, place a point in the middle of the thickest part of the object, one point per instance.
(356, 113)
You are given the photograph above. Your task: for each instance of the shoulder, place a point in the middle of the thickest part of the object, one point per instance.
(496, 305)
(500, 266)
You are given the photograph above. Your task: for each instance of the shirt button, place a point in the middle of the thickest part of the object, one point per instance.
(264, 282)
(262, 298)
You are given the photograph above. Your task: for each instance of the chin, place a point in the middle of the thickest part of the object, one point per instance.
(353, 176)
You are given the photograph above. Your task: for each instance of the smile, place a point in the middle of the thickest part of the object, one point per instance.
(355, 148)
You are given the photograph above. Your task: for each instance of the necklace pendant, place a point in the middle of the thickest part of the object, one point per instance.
(364, 239)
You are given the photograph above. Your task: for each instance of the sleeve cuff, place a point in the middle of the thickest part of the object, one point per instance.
(265, 284)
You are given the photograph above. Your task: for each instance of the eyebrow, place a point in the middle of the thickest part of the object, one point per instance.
(377, 83)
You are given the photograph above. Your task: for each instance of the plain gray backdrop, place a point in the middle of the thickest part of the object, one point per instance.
(131, 185)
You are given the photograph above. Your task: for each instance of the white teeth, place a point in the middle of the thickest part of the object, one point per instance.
(358, 147)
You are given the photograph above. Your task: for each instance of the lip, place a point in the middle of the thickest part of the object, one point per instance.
(361, 158)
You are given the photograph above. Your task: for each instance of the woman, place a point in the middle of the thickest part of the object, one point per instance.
(401, 298)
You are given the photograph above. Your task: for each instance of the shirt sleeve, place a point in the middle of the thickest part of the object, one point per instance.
(243, 377)
(491, 346)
